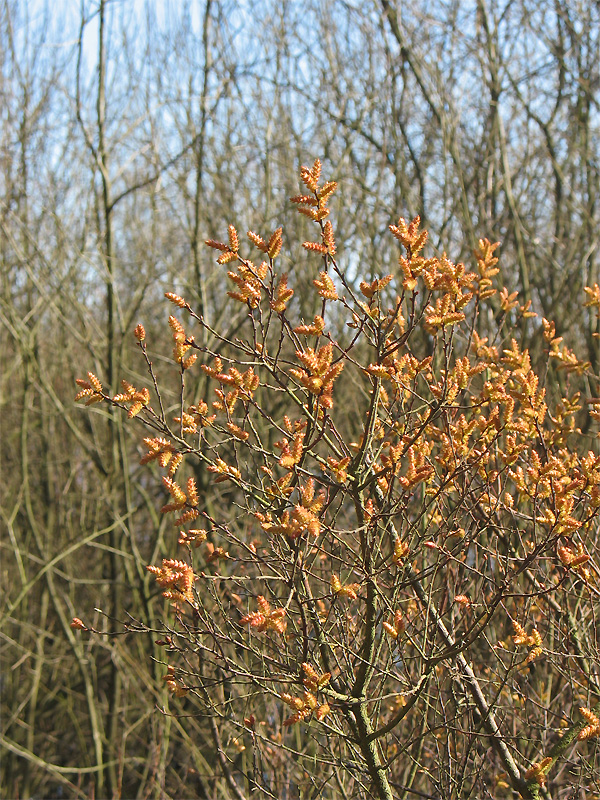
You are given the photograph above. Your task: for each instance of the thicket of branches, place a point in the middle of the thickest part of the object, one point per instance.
(125, 143)
(383, 493)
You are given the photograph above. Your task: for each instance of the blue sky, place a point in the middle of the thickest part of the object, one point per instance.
(61, 19)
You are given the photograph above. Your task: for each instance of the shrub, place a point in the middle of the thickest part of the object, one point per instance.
(385, 582)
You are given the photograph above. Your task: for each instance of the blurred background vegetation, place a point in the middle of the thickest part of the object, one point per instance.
(132, 131)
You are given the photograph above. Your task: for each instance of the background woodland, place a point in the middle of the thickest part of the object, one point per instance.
(132, 132)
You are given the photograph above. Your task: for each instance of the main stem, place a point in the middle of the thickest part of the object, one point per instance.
(370, 751)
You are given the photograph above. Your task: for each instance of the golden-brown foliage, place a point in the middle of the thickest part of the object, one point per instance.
(410, 465)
